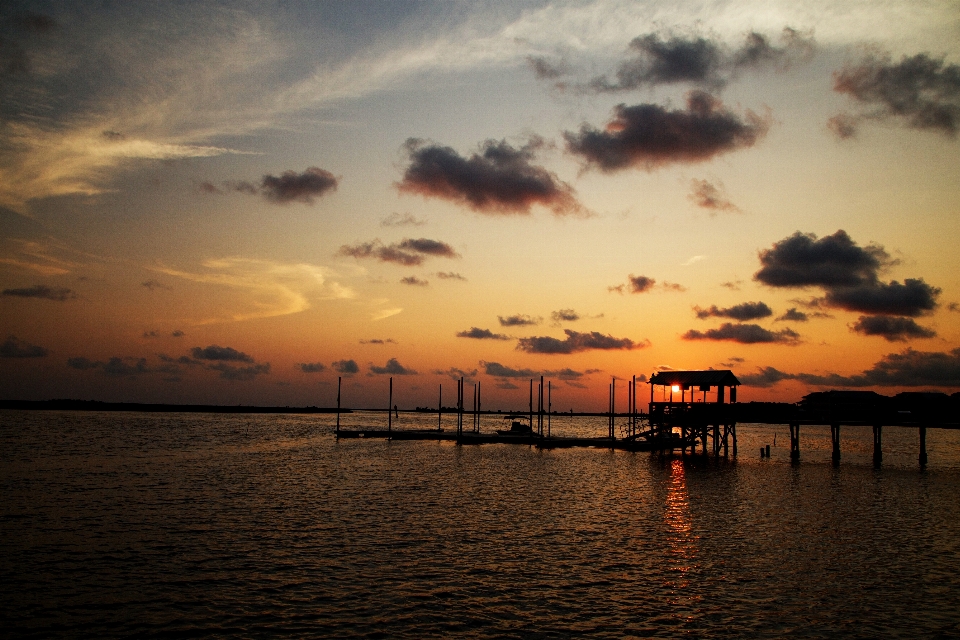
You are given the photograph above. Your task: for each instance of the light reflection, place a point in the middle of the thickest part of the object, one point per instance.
(681, 540)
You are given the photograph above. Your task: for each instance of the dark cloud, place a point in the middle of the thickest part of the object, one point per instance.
(565, 374)
(739, 312)
(709, 196)
(153, 285)
(506, 384)
(744, 334)
(449, 275)
(733, 285)
(214, 352)
(208, 187)
(921, 91)
(699, 60)
(178, 334)
(764, 377)
(518, 320)
(346, 367)
(402, 220)
(802, 260)
(18, 34)
(498, 180)
(893, 329)
(673, 286)
(545, 69)
(311, 367)
(455, 374)
(379, 341)
(414, 281)
(116, 367)
(649, 136)
(41, 291)
(848, 273)
(640, 284)
(564, 315)
(235, 373)
(658, 61)
(13, 347)
(576, 342)
(291, 186)
(482, 334)
(953, 306)
(497, 370)
(912, 298)
(907, 369)
(793, 315)
(393, 368)
(409, 252)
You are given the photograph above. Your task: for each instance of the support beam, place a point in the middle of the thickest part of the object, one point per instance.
(835, 440)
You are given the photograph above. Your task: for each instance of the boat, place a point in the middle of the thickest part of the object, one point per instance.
(519, 426)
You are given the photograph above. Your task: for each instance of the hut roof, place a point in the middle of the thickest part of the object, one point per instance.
(709, 378)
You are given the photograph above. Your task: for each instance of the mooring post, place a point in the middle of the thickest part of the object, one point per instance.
(877, 445)
(613, 407)
(733, 428)
(531, 404)
(478, 406)
(339, 379)
(923, 446)
(440, 409)
(795, 442)
(390, 408)
(549, 405)
(835, 440)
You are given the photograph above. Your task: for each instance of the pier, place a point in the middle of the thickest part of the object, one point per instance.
(695, 412)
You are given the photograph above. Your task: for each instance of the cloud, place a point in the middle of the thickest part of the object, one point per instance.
(673, 286)
(449, 275)
(482, 334)
(893, 329)
(414, 281)
(346, 367)
(733, 285)
(379, 341)
(393, 368)
(848, 273)
(497, 370)
(640, 284)
(567, 374)
(402, 220)
(291, 186)
(235, 373)
(920, 91)
(455, 373)
(385, 313)
(42, 292)
(793, 315)
(709, 196)
(518, 320)
(699, 60)
(912, 298)
(648, 136)
(311, 367)
(802, 260)
(154, 285)
(13, 347)
(744, 334)
(740, 312)
(906, 369)
(506, 384)
(116, 367)
(576, 342)
(178, 334)
(265, 288)
(214, 352)
(499, 180)
(408, 252)
(151, 334)
(765, 377)
(564, 315)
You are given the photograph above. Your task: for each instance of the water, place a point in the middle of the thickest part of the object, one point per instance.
(172, 525)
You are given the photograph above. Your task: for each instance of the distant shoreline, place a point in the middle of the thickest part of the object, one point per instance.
(97, 405)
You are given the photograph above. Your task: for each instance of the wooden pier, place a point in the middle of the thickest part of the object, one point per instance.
(702, 420)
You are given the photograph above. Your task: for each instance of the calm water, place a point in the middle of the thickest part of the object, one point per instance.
(124, 524)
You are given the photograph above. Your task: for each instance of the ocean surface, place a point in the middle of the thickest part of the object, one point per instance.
(193, 525)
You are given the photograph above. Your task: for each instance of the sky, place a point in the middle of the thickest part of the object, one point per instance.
(240, 203)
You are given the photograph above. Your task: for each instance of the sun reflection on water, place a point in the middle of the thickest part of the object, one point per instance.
(682, 543)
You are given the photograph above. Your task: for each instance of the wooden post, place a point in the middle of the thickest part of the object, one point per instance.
(338, 404)
(531, 404)
(923, 446)
(835, 443)
(440, 409)
(794, 442)
(390, 407)
(877, 445)
(549, 405)
(613, 408)
(733, 428)
(478, 406)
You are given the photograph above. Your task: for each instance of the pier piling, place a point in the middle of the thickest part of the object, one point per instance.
(835, 440)
(923, 446)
